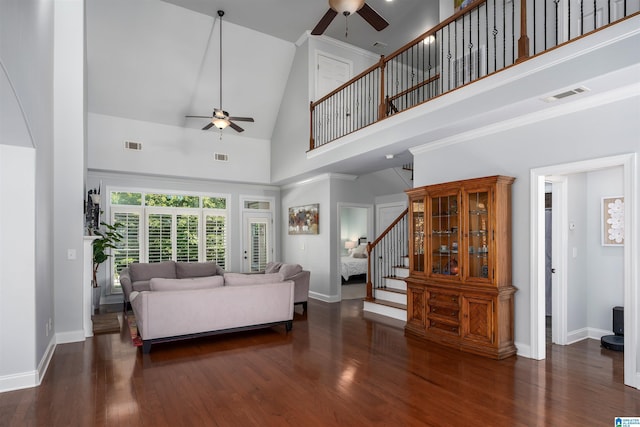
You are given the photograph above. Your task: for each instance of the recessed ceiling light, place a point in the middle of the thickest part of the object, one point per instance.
(389, 156)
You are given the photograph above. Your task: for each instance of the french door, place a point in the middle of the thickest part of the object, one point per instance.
(258, 241)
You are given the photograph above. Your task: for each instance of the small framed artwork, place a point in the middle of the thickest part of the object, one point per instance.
(612, 221)
(304, 219)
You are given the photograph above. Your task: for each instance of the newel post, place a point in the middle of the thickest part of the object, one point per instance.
(311, 143)
(382, 107)
(369, 284)
(523, 41)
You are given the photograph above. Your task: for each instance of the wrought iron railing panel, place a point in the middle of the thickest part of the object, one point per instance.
(386, 252)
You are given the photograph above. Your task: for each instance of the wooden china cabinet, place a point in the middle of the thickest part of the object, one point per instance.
(459, 290)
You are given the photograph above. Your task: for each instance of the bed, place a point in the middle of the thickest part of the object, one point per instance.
(353, 267)
(355, 264)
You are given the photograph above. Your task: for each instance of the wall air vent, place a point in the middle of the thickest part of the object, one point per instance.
(131, 145)
(566, 94)
(221, 157)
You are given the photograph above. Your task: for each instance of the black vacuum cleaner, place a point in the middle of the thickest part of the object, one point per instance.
(615, 342)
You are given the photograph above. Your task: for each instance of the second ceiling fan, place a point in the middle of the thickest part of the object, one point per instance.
(220, 118)
(346, 8)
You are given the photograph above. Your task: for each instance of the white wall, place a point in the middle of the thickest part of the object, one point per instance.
(577, 285)
(596, 132)
(605, 264)
(17, 268)
(26, 58)
(175, 151)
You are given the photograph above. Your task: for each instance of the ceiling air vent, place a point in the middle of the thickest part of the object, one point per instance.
(566, 94)
(131, 145)
(221, 157)
(379, 44)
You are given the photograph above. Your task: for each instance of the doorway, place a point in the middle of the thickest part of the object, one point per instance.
(355, 228)
(562, 224)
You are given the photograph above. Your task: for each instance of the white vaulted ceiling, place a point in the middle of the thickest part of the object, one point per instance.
(157, 61)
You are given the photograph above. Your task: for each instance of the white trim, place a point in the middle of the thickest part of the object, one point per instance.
(629, 165)
(321, 177)
(324, 297)
(560, 260)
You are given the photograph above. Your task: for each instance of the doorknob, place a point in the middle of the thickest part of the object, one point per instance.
(553, 270)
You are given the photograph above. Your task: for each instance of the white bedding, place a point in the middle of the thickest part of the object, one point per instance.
(353, 266)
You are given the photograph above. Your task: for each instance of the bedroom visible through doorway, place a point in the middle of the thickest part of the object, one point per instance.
(355, 227)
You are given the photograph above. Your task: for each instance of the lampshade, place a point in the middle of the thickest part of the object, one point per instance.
(220, 123)
(349, 244)
(346, 6)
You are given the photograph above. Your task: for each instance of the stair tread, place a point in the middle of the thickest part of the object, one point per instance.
(390, 304)
(394, 290)
(394, 277)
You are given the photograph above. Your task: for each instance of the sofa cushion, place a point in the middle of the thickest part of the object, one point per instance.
(209, 282)
(272, 267)
(140, 285)
(289, 270)
(147, 271)
(197, 269)
(234, 279)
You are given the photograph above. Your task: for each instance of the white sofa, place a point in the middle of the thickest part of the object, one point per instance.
(174, 309)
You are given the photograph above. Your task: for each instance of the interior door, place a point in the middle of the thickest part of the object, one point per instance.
(258, 241)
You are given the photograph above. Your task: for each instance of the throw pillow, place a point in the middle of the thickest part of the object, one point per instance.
(197, 269)
(235, 279)
(289, 270)
(273, 267)
(159, 284)
(147, 271)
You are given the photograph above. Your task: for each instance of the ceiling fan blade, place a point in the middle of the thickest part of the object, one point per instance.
(199, 117)
(324, 22)
(235, 127)
(242, 119)
(208, 126)
(372, 17)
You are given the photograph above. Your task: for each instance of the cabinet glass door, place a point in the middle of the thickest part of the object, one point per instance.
(444, 235)
(479, 243)
(417, 208)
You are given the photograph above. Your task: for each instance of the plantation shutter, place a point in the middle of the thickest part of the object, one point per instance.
(216, 239)
(187, 238)
(128, 249)
(159, 245)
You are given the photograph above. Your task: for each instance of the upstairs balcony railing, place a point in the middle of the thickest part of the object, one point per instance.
(485, 37)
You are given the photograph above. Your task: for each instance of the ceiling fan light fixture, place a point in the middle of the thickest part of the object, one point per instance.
(346, 7)
(220, 123)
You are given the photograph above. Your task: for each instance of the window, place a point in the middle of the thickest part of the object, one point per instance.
(160, 226)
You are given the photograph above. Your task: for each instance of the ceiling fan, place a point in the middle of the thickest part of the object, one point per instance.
(220, 118)
(348, 7)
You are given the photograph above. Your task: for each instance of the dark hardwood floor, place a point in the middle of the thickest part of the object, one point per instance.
(334, 368)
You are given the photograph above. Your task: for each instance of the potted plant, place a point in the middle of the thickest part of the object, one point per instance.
(108, 237)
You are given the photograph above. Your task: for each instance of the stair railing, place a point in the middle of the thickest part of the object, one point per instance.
(386, 252)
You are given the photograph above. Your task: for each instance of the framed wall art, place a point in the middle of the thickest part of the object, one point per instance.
(304, 219)
(612, 221)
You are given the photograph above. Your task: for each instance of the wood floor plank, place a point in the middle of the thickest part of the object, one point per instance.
(335, 368)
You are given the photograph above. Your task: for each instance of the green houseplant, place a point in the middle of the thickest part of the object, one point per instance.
(108, 237)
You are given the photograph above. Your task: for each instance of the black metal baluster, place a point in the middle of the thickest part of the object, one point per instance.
(581, 17)
(504, 34)
(495, 34)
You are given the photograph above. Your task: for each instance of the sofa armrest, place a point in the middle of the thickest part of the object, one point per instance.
(301, 286)
(125, 282)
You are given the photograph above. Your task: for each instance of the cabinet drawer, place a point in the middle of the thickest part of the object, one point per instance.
(443, 327)
(445, 312)
(443, 298)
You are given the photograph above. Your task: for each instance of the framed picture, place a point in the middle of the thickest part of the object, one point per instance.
(304, 219)
(612, 221)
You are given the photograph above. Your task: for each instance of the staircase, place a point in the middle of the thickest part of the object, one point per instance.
(391, 298)
(388, 266)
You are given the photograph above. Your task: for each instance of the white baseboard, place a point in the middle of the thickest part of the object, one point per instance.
(72, 336)
(324, 297)
(586, 333)
(46, 359)
(523, 350)
(18, 381)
